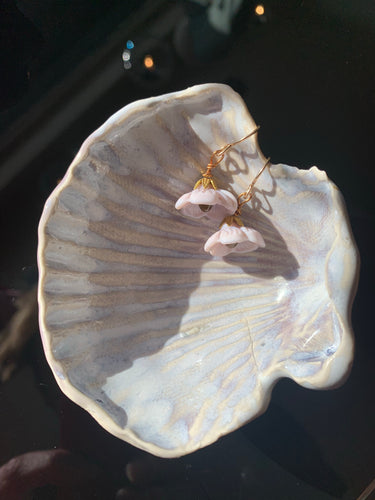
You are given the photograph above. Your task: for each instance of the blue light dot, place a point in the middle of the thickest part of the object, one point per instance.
(130, 44)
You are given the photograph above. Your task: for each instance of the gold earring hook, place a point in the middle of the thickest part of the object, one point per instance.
(220, 153)
(248, 194)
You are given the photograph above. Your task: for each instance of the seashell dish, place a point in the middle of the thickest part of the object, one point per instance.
(167, 347)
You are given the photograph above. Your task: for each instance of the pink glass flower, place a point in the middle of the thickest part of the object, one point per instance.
(233, 238)
(214, 203)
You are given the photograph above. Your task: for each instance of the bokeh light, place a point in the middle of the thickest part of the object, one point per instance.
(148, 62)
(126, 55)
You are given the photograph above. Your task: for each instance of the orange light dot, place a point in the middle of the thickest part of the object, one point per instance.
(148, 61)
(259, 10)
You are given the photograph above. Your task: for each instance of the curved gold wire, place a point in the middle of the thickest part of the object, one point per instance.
(216, 157)
(248, 194)
(219, 154)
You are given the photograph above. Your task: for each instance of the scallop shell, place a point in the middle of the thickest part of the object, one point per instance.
(167, 347)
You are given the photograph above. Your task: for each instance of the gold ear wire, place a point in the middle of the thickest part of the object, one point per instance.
(248, 194)
(219, 154)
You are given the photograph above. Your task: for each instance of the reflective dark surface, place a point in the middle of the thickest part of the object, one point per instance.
(306, 72)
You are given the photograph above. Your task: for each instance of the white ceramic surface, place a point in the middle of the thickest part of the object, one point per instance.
(167, 347)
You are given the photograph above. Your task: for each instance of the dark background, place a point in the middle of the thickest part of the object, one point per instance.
(306, 71)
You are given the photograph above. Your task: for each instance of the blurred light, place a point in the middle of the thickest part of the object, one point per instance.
(259, 10)
(130, 44)
(148, 62)
(127, 64)
(152, 63)
(126, 55)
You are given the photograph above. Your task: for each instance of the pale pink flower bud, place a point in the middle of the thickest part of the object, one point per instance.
(214, 203)
(233, 238)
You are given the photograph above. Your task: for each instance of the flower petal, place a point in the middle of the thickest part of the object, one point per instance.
(230, 235)
(214, 247)
(222, 202)
(232, 238)
(192, 211)
(217, 213)
(245, 246)
(202, 196)
(183, 200)
(254, 236)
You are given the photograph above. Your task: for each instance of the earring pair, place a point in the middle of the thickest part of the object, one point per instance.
(206, 200)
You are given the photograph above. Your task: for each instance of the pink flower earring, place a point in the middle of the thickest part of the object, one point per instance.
(233, 236)
(218, 204)
(206, 199)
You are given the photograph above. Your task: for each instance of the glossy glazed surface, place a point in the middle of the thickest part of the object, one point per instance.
(167, 347)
